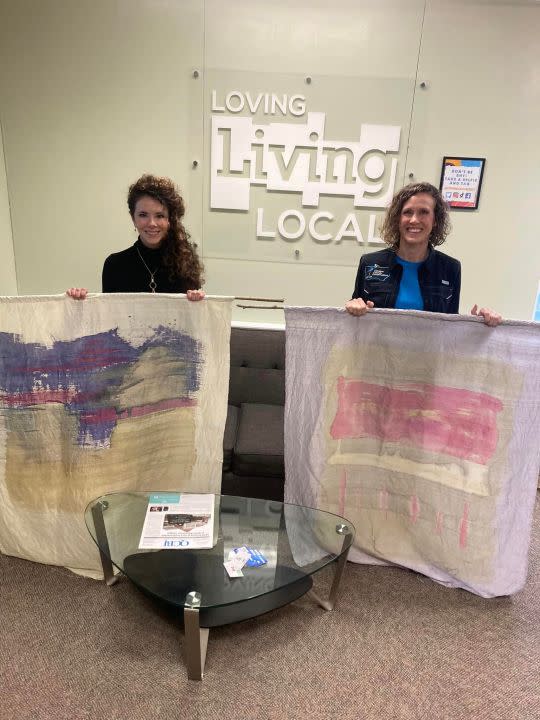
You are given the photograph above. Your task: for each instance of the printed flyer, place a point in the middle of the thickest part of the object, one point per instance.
(178, 521)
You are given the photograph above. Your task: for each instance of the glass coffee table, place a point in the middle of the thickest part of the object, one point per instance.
(295, 542)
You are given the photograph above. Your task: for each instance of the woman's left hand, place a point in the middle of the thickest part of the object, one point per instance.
(195, 295)
(491, 318)
(77, 293)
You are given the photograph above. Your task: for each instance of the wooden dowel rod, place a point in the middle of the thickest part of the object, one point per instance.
(258, 299)
(261, 307)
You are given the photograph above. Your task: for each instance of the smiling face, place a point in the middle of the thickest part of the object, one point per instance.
(151, 220)
(415, 225)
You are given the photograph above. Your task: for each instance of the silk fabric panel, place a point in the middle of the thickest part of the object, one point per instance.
(114, 393)
(423, 430)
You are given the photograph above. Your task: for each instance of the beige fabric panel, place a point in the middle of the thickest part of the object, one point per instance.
(141, 405)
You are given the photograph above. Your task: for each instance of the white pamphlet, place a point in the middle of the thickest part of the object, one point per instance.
(178, 521)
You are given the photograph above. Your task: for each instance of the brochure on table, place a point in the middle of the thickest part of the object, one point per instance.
(178, 521)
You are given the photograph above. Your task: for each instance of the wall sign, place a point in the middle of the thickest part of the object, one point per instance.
(461, 181)
(297, 158)
(298, 171)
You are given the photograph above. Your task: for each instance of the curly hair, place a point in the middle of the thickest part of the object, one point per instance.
(179, 256)
(441, 224)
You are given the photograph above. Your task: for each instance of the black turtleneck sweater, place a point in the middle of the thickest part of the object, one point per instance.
(125, 272)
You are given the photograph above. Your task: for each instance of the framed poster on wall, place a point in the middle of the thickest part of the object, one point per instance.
(461, 181)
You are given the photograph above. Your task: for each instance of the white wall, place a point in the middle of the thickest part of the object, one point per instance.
(8, 279)
(94, 93)
(482, 65)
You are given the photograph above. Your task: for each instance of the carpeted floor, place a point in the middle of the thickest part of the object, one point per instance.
(397, 646)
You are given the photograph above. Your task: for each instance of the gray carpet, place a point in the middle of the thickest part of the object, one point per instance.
(397, 646)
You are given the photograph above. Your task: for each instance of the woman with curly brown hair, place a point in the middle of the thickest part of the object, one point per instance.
(162, 259)
(410, 274)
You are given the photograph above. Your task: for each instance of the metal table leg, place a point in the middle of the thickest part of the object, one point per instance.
(103, 543)
(338, 572)
(196, 637)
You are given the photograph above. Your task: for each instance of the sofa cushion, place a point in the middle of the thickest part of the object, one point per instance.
(229, 436)
(256, 385)
(257, 372)
(254, 347)
(259, 441)
(266, 488)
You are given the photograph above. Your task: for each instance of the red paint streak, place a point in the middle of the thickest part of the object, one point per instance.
(158, 407)
(109, 414)
(383, 499)
(414, 508)
(458, 422)
(70, 395)
(342, 492)
(102, 415)
(464, 526)
(439, 517)
(39, 397)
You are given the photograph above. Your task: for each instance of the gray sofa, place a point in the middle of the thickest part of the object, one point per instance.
(253, 463)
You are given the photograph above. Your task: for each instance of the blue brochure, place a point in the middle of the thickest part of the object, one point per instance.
(255, 559)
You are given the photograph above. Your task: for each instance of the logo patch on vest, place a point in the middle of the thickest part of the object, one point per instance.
(377, 272)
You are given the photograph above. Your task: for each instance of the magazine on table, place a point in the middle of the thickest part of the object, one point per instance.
(178, 521)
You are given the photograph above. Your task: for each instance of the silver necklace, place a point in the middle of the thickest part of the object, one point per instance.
(152, 284)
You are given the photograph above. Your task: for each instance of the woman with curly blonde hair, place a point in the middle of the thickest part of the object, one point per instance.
(162, 259)
(410, 274)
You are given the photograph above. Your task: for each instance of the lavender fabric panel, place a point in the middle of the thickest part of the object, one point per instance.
(423, 430)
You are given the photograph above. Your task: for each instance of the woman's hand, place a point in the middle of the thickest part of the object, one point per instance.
(195, 295)
(491, 318)
(358, 307)
(77, 293)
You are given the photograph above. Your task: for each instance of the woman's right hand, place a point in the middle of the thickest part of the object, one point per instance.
(358, 307)
(77, 293)
(195, 295)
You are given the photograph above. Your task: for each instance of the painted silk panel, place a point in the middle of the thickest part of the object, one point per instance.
(421, 429)
(114, 393)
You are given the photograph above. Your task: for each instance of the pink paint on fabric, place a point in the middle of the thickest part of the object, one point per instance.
(414, 508)
(464, 526)
(457, 422)
(342, 491)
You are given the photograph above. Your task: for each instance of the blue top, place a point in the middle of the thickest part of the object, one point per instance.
(409, 295)
(379, 277)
